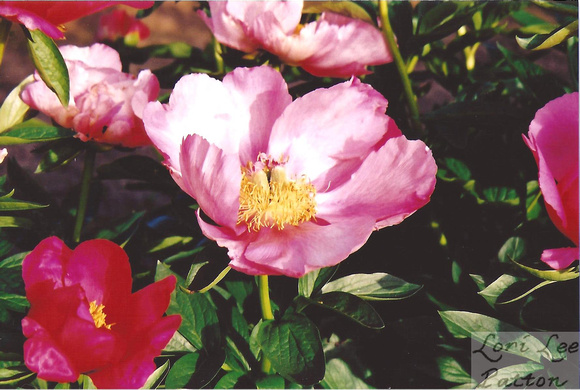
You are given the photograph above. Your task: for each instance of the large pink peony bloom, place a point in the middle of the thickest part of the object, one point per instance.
(84, 319)
(333, 46)
(106, 105)
(47, 16)
(553, 139)
(291, 186)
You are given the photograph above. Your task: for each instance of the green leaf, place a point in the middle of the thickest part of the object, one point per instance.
(486, 330)
(14, 302)
(451, 371)
(350, 306)
(313, 281)
(513, 249)
(156, 377)
(501, 195)
(559, 275)
(537, 287)
(378, 286)
(7, 204)
(492, 292)
(340, 376)
(16, 222)
(507, 375)
(293, 346)
(14, 261)
(33, 130)
(459, 168)
(50, 64)
(178, 343)
(169, 242)
(546, 41)
(199, 320)
(346, 8)
(230, 380)
(533, 206)
(194, 370)
(193, 270)
(478, 280)
(271, 382)
(60, 153)
(13, 110)
(125, 225)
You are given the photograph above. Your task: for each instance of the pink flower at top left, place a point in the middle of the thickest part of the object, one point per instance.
(105, 104)
(48, 16)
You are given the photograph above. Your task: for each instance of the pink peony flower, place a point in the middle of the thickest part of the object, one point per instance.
(83, 317)
(106, 105)
(333, 46)
(47, 16)
(119, 24)
(291, 186)
(553, 139)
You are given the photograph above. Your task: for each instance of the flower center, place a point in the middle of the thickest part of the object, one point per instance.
(268, 198)
(98, 315)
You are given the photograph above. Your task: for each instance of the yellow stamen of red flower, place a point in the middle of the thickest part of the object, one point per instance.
(268, 198)
(98, 315)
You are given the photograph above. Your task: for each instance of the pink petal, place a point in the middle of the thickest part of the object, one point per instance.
(148, 305)
(137, 365)
(334, 46)
(284, 14)
(43, 356)
(327, 128)
(297, 250)
(46, 262)
(102, 269)
(212, 177)
(403, 184)
(560, 258)
(553, 139)
(263, 93)
(15, 13)
(96, 56)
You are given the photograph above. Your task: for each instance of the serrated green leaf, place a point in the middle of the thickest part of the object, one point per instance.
(339, 376)
(346, 8)
(350, 306)
(492, 292)
(377, 286)
(293, 346)
(156, 377)
(513, 249)
(451, 371)
(507, 375)
(14, 110)
(313, 281)
(464, 324)
(546, 41)
(49, 64)
(33, 130)
(16, 222)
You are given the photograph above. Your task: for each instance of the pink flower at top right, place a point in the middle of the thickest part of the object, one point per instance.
(332, 46)
(553, 139)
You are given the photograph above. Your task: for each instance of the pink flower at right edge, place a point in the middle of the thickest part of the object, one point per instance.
(47, 16)
(332, 46)
(553, 140)
(291, 186)
(105, 104)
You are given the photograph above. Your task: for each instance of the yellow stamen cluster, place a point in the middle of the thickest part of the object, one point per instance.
(98, 315)
(269, 199)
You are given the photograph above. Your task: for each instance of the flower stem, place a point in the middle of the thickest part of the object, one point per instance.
(90, 155)
(266, 312)
(401, 67)
(4, 31)
(216, 280)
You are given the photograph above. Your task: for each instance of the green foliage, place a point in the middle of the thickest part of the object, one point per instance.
(378, 286)
(32, 131)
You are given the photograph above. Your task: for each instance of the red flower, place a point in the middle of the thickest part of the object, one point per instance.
(48, 15)
(84, 319)
(119, 24)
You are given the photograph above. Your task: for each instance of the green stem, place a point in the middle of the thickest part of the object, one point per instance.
(401, 67)
(4, 31)
(266, 312)
(216, 280)
(90, 155)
